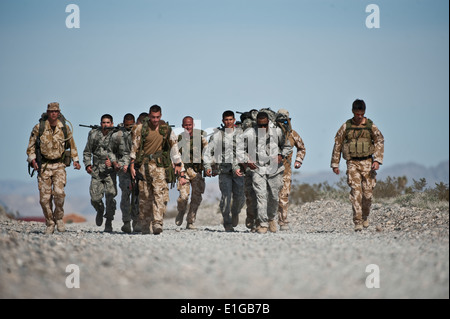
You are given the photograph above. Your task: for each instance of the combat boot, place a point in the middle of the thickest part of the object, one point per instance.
(272, 226)
(145, 229)
(60, 226)
(358, 227)
(235, 220)
(191, 226)
(50, 229)
(365, 223)
(126, 228)
(157, 229)
(261, 230)
(249, 223)
(228, 228)
(99, 218)
(179, 218)
(108, 226)
(137, 228)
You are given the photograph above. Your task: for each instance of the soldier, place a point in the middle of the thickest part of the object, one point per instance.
(141, 116)
(47, 155)
(100, 158)
(191, 144)
(362, 146)
(294, 140)
(247, 122)
(221, 150)
(270, 147)
(128, 202)
(154, 149)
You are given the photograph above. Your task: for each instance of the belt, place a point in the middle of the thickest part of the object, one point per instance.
(361, 158)
(51, 161)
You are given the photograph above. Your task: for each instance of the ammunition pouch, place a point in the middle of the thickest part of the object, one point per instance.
(67, 159)
(197, 167)
(357, 149)
(162, 159)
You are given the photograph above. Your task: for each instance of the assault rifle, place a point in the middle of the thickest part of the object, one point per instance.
(38, 159)
(98, 127)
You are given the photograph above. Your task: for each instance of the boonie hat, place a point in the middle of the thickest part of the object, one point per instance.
(54, 106)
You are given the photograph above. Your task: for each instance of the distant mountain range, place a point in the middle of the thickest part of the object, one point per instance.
(435, 174)
(23, 197)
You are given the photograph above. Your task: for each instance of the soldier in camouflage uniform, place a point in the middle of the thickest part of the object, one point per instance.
(129, 205)
(191, 144)
(52, 173)
(101, 158)
(270, 147)
(283, 198)
(362, 146)
(154, 150)
(250, 196)
(221, 151)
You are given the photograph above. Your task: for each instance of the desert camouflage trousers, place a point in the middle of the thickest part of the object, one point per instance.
(51, 183)
(267, 188)
(197, 182)
(129, 203)
(250, 199)
(361, 179)
(233, 198)
(104, 185)
(153, 195)
(283, 198)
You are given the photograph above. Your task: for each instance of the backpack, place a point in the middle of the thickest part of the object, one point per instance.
(248, 119)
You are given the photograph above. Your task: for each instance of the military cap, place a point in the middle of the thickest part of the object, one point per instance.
(54, 106)
(284, 112)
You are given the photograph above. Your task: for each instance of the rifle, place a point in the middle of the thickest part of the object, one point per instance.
(38, 159)
(98, 127)
(135, 187)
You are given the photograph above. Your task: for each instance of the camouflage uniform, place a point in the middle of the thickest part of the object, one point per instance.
(221, 150)
(283, 203)
(267, 178)
(194, 169)
(153, 189)
(98, 149)
(360, 176)
(129, 208)
(52, 178)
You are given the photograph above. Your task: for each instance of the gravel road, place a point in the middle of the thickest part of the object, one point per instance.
(407, 249)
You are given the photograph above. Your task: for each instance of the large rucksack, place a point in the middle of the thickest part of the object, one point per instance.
(248, 119)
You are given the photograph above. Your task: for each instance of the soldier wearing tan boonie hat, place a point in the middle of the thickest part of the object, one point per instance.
(54, 106)
(48, 162)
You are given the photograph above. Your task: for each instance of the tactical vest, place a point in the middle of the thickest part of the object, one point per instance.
(65, 156)
(358, 141)
(197, 167)
(161, 158)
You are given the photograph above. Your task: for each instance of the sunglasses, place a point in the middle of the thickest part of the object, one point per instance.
(263, 125)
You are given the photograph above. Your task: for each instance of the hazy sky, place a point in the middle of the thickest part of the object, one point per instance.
(202, 57)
